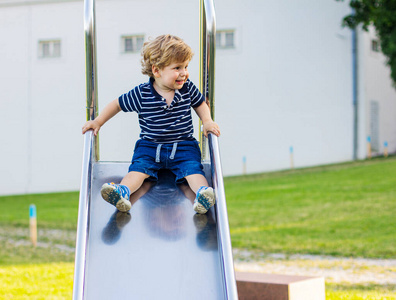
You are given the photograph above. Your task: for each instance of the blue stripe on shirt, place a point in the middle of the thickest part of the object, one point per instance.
(159, 122)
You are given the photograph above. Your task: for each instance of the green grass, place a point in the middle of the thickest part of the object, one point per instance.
(56, 279)
(21, 282)
(27, 254)
(360, 292)
(55, 210)
(342, 210)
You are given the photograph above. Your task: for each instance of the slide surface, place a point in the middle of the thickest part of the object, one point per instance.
(162, 249)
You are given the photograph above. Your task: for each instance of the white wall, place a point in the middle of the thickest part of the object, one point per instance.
(42, 100)
(377, 85)
(287, 83)
(14, 99)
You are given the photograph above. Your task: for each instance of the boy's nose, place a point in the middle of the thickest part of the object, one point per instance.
(183, 72)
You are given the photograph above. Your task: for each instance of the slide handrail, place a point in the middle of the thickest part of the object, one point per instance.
(90, 67)
(223, 229)
(82, 223)
(208, 50)
(207, 63)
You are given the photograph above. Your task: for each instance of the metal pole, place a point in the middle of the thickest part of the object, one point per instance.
(355, 91)
(210, 53)
(202, 72)
(207, 62)
(90, 67)
(90, 152)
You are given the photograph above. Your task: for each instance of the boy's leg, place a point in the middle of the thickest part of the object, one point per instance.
(195, 181)
(205, 197)
(118, 194)
(134, 180)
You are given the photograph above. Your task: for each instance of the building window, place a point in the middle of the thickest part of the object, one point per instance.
(49, 49)
(375, 46)
(225, 39)
(132, 43)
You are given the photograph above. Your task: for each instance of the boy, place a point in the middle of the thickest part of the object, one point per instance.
(166, 138)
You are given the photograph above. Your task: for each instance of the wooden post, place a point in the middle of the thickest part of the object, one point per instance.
(33, 224)
(368, 147)
(291, 157)
(386, 149)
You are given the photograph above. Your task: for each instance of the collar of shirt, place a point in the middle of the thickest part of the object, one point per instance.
(175, 100)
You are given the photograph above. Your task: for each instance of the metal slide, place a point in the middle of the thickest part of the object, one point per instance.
(162, 249)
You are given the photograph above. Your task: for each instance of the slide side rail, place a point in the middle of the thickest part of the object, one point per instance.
(223, 229)
(83, 214)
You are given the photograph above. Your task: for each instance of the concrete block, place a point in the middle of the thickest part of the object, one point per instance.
(252, 286)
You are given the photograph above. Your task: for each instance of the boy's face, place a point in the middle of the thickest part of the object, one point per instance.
(171, 77)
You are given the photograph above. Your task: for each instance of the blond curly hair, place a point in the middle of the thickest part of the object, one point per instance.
(163, 51)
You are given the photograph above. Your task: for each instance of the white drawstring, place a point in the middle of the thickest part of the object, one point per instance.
(158, 152)
(172, 156)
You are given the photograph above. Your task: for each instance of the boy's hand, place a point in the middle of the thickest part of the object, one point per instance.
(108, 112)
(211, 127)
(91, 125)
(208, 124)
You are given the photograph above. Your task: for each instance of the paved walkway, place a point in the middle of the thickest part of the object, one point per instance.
(334, 269)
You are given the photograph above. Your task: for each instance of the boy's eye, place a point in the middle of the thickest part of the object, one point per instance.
(178, 68)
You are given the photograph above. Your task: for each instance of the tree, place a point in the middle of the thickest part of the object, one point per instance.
(381, 14)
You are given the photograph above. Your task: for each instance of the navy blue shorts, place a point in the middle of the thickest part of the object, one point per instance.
(182, 159)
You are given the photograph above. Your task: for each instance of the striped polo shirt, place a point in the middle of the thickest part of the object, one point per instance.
(158, 122)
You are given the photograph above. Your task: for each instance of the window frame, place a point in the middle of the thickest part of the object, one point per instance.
(137, 41)
(51, 48)
(375, 46)
(221, 39)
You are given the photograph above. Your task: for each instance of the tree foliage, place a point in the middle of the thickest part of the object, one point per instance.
(381, 14)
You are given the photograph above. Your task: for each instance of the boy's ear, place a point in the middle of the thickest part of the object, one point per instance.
(155, 70)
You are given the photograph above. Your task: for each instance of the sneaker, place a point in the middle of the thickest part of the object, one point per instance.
(117, 195)
(205, 199)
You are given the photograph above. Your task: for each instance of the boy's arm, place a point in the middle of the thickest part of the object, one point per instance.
(106, 114)
(209, 125)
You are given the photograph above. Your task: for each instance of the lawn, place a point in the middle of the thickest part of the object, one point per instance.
(55, 210)
(344, 210)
